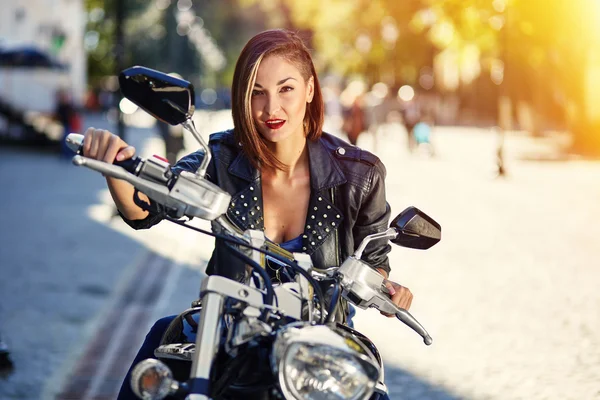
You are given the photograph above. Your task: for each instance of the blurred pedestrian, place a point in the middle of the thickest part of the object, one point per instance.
(92, 103)
(355, 120)
(422, 134)
(66, 114)
(411, 115)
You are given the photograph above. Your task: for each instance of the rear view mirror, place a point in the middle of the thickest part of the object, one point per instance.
(165, 97)
(416, 229)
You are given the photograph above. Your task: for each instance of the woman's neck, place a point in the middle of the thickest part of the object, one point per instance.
(293, 154)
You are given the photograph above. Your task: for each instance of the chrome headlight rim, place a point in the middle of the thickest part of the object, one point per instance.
(321, 336)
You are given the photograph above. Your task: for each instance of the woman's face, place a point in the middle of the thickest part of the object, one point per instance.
(279, 99)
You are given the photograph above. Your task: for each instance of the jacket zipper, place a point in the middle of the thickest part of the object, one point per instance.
(344, 316)
(337, 244)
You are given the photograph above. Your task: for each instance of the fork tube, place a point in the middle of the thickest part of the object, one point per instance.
(207, 344)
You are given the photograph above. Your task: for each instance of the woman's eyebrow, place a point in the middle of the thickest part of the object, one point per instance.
(281, 82)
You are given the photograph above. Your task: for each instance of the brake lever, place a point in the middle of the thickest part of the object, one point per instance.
(154, 190)
(362, 285)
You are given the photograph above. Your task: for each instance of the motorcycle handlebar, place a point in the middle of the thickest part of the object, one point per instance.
(181, 194)
(132, 165)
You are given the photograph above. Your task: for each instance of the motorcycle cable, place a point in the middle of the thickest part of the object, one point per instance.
(335, 297)
(295, 267)
(270, 293)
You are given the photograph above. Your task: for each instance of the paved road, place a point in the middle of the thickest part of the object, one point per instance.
(509, 295)
(66, 263)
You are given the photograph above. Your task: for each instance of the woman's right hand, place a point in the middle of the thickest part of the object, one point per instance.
(103, 145)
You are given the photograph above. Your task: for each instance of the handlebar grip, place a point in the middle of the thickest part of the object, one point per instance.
(130, 165)
(75, 142)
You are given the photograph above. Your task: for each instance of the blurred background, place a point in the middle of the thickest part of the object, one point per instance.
(530, 65)
(485, 113)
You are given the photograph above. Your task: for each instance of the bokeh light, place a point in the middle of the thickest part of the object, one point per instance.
(127, 107)
(406, 93)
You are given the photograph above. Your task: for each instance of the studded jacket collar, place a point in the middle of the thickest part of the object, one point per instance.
(347, 200)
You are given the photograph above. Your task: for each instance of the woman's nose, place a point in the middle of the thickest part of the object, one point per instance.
(272, 105)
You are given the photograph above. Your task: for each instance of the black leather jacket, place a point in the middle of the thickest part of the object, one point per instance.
(347, 201)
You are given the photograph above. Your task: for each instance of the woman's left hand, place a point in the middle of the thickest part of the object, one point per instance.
(400, 295)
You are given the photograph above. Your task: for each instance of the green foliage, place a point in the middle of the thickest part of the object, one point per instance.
(544, 45)
(101, 19)
(151, 38)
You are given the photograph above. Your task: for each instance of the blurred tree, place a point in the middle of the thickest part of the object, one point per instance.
(230, 26)
(541, 54)
(538, 53)
(100, 34)
(154, 37)
(367, 37)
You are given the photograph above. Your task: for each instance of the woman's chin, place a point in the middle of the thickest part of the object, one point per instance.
(275, 135)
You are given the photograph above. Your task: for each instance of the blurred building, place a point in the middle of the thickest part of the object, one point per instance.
(42, 28)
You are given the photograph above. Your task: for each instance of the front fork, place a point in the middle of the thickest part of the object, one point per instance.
(207, 345)
(214, 291)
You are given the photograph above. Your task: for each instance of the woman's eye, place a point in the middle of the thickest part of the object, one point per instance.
(256, 93)
(287, 89)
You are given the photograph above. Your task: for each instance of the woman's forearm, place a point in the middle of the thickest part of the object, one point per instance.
(122, 194)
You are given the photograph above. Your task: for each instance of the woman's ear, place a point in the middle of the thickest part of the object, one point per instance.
(310, 89)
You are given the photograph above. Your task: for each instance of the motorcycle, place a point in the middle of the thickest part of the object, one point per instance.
(254, 339)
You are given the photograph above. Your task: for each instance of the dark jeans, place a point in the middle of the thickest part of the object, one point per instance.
(152, 341)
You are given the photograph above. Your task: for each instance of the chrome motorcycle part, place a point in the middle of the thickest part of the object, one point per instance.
(289, 299)
(207, 341)
(189, 195)
(176, 351)
(315, 363)
(190, 126)
(362, 285)
(380, 387)
(203, 199)
(389, 234)
(152, 380)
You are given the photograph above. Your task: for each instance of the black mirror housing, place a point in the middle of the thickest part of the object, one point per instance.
(416, 229)
(165, 97)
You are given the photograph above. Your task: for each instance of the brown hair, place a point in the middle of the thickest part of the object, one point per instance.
(290, 46)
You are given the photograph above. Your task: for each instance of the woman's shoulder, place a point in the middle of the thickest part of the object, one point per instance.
(359, 166)
(347, 152)
(356, 163)
(225, 137)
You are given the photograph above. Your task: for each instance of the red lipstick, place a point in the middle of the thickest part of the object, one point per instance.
(275, 123)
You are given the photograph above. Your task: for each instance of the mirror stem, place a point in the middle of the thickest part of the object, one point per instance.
(391, 233)
(190, 126)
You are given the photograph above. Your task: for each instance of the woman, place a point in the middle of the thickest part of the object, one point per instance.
(307, 190)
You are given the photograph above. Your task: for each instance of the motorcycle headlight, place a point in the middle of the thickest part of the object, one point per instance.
(317, 363)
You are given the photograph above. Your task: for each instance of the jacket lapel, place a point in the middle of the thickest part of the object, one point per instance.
(245, 208)
(323, 217)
